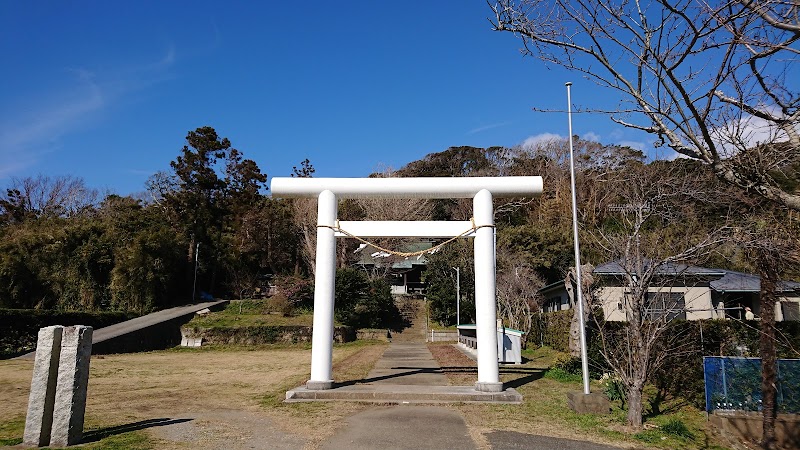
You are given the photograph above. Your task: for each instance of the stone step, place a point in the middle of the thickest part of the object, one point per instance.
(400, 394)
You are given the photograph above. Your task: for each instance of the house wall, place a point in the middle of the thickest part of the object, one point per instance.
(697, 300)
(555, 300)
(701, 302)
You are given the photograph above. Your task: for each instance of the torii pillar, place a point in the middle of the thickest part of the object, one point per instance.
(482, 190)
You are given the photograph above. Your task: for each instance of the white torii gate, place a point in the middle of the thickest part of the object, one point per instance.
(480, 189)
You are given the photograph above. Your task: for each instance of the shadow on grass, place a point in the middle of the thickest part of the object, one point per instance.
(96, 435)
(528, 375)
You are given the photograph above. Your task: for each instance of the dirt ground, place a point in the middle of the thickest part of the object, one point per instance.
(209, 398)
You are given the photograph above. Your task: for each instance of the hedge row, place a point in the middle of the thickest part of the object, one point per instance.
(682, 375)
(263, 334)
(19, 328)
(551, 330)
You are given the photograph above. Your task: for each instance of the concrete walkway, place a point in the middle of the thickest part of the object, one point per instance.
(149, 320)
(407, 363)
(403, 427)
(406, 373)
(127, 336)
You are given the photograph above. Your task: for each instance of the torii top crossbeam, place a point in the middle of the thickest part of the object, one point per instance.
(422, 187)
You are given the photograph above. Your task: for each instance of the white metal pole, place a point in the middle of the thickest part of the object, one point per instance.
(458, 296)
(324, 285)
(194, 283)
(584, 356)
(485, 302)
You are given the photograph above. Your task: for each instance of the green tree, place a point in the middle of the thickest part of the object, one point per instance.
(362, 302)
(440, 278)
(213, 188)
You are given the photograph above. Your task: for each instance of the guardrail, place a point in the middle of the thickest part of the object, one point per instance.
(469, 341)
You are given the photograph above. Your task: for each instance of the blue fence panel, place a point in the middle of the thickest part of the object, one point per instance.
(789, 385)
(735, 384)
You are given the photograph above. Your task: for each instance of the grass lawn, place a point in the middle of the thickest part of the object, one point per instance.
(245, 313)
(211, 389)
(545, 410)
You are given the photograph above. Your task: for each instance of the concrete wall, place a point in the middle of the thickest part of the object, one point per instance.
(747, 426)
(156, 337)
(370, 334)
(443, 336)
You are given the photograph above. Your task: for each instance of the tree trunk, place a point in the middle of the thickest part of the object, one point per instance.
(635, 406)
(768, 359)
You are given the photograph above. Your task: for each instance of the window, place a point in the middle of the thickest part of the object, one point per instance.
(553, 304)
(671, 304)
(790, 310)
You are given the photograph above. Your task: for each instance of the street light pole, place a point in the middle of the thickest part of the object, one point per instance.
(194, 283)
(458, 295)
(581, 321)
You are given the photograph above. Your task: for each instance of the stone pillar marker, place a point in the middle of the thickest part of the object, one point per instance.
(39, 420)
(57, 401)
(73, 381)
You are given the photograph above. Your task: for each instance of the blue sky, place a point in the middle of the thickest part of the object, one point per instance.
(108, 90)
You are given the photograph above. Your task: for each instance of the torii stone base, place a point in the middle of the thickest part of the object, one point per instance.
(57, 401)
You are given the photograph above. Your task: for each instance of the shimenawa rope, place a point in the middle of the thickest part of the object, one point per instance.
(472, 229)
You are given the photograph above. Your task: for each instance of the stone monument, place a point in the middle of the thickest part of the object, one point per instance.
(57, 401)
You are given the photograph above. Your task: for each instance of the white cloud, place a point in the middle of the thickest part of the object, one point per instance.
(746, 132)
(638, 145)
(536, 140)
(25, 140)
(487, 127)
(616, 134)
(591, 136)
(75, 105)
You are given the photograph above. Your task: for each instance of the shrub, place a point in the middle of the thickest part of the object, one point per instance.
(569, 364)
(615, 390)
(676, 427)
(280, 304)
(559, 374)
(297, 290)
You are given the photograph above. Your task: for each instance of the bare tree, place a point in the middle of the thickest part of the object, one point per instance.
(648, 259)
(304, 211)
(44, 196)
(518, 287)
(401, 209)
(711, 80)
